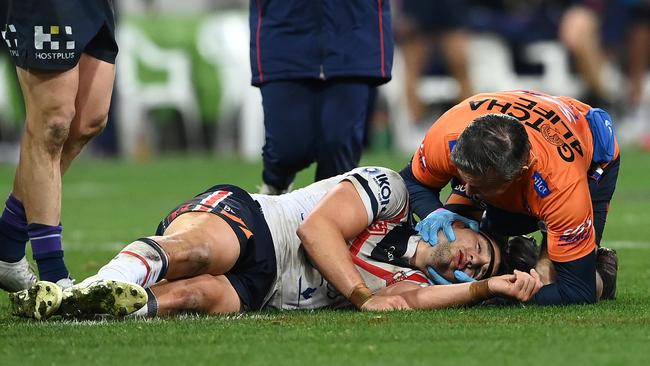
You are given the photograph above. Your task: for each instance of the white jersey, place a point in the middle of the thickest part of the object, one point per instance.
(381, 253)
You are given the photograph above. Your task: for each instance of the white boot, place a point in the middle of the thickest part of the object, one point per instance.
(16, 276)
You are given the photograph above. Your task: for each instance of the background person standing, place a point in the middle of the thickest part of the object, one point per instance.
(64, 51)
(316, 64)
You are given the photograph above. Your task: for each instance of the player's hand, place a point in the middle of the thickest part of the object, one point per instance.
(441, 219)
(385, 303)
(519, 285)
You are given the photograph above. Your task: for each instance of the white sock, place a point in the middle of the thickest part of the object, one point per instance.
(140, 262)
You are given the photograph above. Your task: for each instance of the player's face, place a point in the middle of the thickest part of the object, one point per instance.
(473, 253)
(483, 186)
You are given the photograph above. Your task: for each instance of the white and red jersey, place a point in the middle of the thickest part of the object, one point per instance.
(381, 253)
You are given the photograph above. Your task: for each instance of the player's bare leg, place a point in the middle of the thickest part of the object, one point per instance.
(92, 105)
(455, 45)
(414, 48)
(579, 32)
(50, 108)
(202, 294)
(69, 123)
(195, 243)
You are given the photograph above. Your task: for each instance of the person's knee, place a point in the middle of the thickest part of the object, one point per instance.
(190, 298)
(288, 156)
(200, 256)
(52, 127)
(93, 126)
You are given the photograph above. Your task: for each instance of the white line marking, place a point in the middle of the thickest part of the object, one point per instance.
(619, 244)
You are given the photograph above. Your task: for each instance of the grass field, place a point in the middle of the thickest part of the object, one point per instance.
(107, 204)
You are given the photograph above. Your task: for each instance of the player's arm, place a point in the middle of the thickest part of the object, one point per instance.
(571, 248)
(520, 286)
(424, 199)
(340, 216)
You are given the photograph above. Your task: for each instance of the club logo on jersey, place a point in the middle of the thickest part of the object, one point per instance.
(581, 232)
(378, 228)
(384, 188)
(540, 185)
(51, 42)
(552, 135)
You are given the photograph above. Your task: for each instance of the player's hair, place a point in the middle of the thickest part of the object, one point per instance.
(492, 145)
(518, 252)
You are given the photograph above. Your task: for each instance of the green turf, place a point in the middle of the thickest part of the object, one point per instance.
(107, 204)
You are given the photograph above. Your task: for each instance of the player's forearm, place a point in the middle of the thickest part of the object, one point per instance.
(423, 199)
(438, 297)
(328, 251)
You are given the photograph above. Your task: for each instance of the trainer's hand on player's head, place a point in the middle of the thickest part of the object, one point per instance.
(385, 303)
(442, 219)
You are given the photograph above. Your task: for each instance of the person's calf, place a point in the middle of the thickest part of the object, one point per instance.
(143, 262)
(607, 270)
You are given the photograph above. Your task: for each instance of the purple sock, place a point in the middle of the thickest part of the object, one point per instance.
(48, 251)
(13, 231)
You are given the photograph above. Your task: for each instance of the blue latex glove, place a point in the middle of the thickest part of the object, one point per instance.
(437, 279)
(441, 219)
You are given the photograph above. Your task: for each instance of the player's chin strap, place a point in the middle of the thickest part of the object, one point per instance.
(436, 279)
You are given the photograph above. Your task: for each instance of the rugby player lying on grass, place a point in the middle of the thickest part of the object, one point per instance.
(227, 251)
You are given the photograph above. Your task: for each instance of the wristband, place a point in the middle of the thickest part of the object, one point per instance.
(360, 295)
(479, 291)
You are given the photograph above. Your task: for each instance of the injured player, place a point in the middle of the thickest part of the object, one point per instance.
(228, 251)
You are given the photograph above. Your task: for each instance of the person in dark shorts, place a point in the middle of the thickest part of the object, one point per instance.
(64, 52)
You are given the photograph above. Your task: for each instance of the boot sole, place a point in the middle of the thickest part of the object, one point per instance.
(114, 298)
(39, 301)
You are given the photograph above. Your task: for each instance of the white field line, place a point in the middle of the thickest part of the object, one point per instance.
(618, 244)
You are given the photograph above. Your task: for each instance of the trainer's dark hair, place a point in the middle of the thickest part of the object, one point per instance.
(492, 144)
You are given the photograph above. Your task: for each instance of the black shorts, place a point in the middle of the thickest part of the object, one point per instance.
(51, 35)
(254, 272)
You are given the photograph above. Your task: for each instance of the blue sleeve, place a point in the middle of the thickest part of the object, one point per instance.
(575, 283)
(424, 200)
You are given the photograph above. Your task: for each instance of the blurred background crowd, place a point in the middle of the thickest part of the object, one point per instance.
(183, 73)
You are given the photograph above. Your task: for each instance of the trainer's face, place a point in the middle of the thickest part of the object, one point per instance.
(473, 253)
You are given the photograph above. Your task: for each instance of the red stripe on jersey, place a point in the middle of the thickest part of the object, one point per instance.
(381, 39)
(377, 271)
(143, 260)
(212, 200)
(257, 41)
(357, 243)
